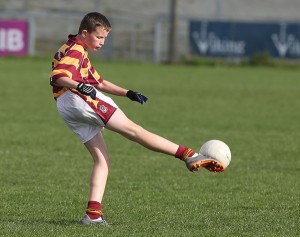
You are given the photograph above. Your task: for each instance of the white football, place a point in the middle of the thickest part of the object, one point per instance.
(218, 150)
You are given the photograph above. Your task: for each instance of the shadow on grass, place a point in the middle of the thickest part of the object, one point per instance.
(63, 222)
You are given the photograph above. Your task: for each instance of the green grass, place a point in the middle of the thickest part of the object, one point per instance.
(44, 168)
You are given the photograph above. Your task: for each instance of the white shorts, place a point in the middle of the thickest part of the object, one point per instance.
(84, 116)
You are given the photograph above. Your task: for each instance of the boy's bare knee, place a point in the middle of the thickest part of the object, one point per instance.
(101, 160)
(134, 132)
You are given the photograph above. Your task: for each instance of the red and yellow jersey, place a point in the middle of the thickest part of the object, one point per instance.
(71, 61)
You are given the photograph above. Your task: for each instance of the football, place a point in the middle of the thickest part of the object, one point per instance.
(218, 150)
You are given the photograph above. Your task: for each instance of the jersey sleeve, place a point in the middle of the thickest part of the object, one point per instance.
(66, 62)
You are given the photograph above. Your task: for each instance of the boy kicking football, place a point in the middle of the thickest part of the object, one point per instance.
(77, 89)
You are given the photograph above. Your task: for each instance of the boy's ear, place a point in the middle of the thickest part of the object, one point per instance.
(84, 33)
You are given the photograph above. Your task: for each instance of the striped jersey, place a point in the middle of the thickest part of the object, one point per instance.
(71, 61)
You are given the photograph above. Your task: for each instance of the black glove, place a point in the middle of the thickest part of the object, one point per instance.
(87, 89)
(136, 96)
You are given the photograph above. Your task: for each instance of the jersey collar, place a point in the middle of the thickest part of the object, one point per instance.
(74, 39)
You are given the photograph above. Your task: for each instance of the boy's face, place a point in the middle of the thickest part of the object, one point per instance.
(95, 40)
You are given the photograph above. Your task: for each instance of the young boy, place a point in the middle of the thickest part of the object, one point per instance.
(76, 88)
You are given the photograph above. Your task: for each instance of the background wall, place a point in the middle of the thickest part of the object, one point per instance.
(140, 27)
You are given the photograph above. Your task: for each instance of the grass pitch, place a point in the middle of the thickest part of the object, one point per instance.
(44, 168)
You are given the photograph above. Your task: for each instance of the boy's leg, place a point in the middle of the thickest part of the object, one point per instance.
(121, 124)
(98, 178)
(124, 126)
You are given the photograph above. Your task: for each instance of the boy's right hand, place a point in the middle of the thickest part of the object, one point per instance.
(87, 89)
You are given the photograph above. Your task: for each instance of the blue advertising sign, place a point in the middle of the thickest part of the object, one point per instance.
(243, 39)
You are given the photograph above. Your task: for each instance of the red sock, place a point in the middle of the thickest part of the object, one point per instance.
(94, 210)
(184, 152)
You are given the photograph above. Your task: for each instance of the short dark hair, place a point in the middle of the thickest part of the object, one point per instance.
(93, 20)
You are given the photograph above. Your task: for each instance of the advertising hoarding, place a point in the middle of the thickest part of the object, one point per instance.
(243, 39)
(13, 37)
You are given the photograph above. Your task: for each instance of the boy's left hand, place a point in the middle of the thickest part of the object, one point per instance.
(136, 96)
